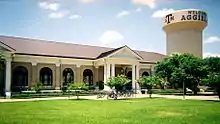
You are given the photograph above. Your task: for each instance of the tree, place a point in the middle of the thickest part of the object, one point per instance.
(213, 78)
(164, 69)
(180, 68)
(163, 82)
(213, 64)
(148, 82)
(77, 87)
(118, 82)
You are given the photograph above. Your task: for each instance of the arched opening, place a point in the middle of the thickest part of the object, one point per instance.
(145, 74)
(68, 76)
(46, 76)
(129, 75)
(2, 77)
(19, 79)
(88, 77)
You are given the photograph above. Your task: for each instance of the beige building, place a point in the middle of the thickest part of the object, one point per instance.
(28, 61)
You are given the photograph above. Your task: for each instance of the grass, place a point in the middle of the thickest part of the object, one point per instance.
(135, 111)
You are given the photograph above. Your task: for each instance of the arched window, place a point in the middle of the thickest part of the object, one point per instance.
(46, 76)
(88, 77)
(145, 74)
(129, 75)
(20, 78)
(68, 76)
(2, 77)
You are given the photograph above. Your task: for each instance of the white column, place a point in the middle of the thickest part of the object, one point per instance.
(105, 75)
(137, 86)
(8, 78)
(108, 71)
(137, 72)
(113, 70)
(133, 77)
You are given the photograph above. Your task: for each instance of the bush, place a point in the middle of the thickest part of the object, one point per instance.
(118, 82)
(64, 88)
(77, 87)
(100, 84)
(38, 87)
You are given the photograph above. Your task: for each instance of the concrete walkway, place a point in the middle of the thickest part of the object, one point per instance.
(135, 96)
(213, 98)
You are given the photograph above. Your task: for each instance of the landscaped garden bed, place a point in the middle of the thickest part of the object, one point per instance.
(48, 93)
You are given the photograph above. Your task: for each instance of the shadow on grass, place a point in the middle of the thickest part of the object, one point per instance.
(80, 99)
(146, 98)
(218, 101)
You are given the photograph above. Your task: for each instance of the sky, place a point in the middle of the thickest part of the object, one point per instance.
(109, 23)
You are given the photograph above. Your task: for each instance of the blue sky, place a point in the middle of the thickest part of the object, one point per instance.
(111, 23)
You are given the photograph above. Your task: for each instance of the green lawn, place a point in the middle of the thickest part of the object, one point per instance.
(136, 111)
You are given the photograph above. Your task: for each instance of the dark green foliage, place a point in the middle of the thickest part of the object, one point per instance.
(213, 78)
(181, 68)
(118, 82)
(150, 81)
(38, 87)
(100, 84)
(77, 87)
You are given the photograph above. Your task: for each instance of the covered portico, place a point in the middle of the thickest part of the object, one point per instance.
(123, 57)
(6, 59)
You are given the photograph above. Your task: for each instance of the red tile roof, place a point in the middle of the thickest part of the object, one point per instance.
(60, 49)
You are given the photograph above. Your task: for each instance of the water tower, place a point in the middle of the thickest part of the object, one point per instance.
(184, 31)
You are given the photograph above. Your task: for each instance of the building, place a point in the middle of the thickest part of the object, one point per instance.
(28, 61)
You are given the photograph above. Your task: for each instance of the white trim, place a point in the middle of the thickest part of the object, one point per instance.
(124, 48)
(57, 64)
(78, 66)
(7, 47)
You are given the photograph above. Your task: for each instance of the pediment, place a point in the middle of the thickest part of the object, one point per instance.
(4, 47)
(125, 53)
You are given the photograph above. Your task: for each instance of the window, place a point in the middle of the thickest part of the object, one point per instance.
(129, 75)
(68, 76)
(46, 76)
(145, 74)
(20, 78)
(88, 77)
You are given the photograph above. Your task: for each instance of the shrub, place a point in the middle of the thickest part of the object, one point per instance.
(77, 87)
(64, 88)
(118, 82)
(100, 84)
(38, 87)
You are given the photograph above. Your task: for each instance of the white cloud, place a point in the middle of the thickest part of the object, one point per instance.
(150, 3)
(87, 1)
(209, 54)
(123, 13)
(49, 6)
(162, 13)
(212, 39)
(138, 10)
(111, 37)
(75, 16)
(58, 15)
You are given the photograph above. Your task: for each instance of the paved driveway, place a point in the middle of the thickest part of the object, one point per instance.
(135, 96)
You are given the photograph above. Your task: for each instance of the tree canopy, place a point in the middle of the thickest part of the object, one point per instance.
(180, 68)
